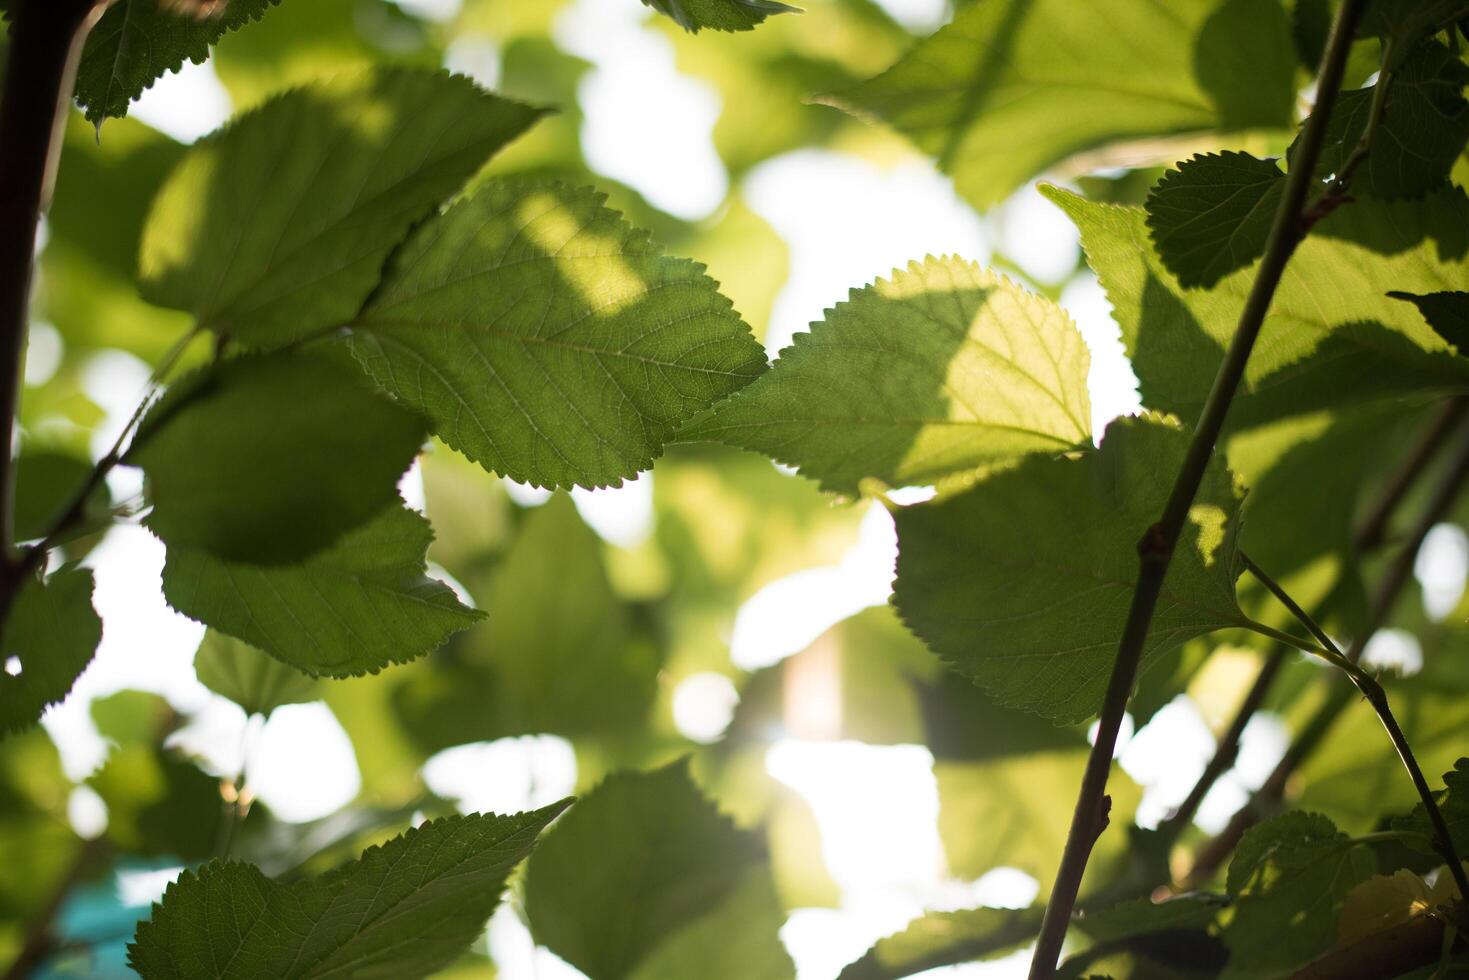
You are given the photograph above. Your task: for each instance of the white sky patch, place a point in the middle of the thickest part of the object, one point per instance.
(1167, 756)
(137, 889)
(438, 11)
(516, 955)
(848, 222)
(410, 487)
(476, 56)
(620, 515)
(1442, 567)
(86, 811)
(186, 104)
(1261, 748)
(508, 775)
(44, 349)
(704, 705)
(1393, 649)
(524, 494)
(1037, 236)
(646, 125)
(116, 382)
(919, 16)
(303, 766)
(1111, 382)
(788, 614)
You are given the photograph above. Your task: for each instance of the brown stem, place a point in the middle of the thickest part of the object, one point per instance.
(1155, 550)
(45, 43)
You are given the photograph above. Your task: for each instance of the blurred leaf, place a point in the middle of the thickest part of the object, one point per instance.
(746, 256)
(1384, 901)
(158, 804)
(356, 606)
(547, 339)
(1139, 916)
(1409, 21)
(1289, 879)
(37, 844)
(1009, 90)
(137, 41)
(1333, 338)
(1453, 803)
(45, 483)
(1213, 214)
(277, 226)
(133, 718)
(719, 15)
(256, 682)
(944, 938)
(640, 870)
(50, 632)
(404, 909)
(984, 576)
(983, 371)
(270, 458)
(564, 655)
(1424, 126)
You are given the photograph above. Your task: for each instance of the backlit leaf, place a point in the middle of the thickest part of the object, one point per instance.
(1024, 581)
(719, 15)
(943, 938)
(256, 682)
(547, 339)
(277, 226)
(404, 909)
(50, 634)
(357, 606)
(936, 371)
(1213, 214)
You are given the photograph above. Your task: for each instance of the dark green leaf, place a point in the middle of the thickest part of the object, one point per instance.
(1333, 337)
(1453, 803)
(268, 459)
(1024, 581)
(45, 483)
(256, 682)
(137, 41)
(1012, 88)
(1407, 22)
(1447, 313)
(1424, 127)
(354, 607)
(158, 804)
(1139, 916)
(1212, 215)
(934, 372)
(643, 860)
(404, 909)
(1289, 879)
(719, 15)
(50, 634)
(277, 227)
(547, 339)
(943, 938)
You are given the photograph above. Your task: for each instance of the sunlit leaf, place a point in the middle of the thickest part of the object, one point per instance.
(256, 682)
(933, 372)
(1024, 581)
(643, 859)
(404, 909)
(50, 634)
(1213, 214)
(356, 606)
(270, 458)
(547, 339)
(1011, 89)
(276, 227)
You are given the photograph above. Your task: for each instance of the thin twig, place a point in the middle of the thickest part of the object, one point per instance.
(1156, 547)
(1374, 694)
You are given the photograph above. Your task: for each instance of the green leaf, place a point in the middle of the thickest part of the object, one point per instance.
(270, 458)
(547, 339)
(934, 372)
(158, 804)
(51, 632)
(138, 41)
(640, 861)
(352, 608)
(1289, 879)
(562, 651)
(1023, 582)
(1447, 313)
(404, 909)
(944, 938)
(1407, 22)
(1333, 336)
(1424, 127)
(256, 682)
(45, 483)
(1139, 916)
(1453, 803)
(277, 227)
(719, 15)
(1212, 215)
(1011, 89)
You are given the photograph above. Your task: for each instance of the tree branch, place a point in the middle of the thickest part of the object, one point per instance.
(1156, 548)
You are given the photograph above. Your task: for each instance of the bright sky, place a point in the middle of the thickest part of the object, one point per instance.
(876, 807)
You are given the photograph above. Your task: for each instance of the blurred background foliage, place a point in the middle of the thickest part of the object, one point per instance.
(720, 608)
